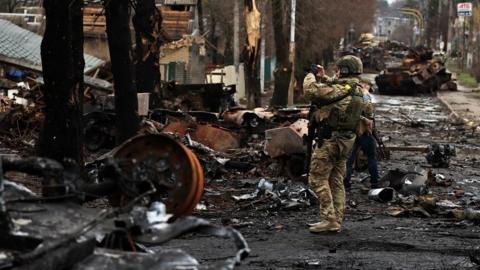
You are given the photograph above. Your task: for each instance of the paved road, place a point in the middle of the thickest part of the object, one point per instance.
(371, 239)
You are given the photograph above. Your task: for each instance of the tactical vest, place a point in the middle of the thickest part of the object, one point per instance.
(349, 118)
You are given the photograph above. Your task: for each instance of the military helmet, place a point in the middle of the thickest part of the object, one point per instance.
(314, 68)
(350, 65)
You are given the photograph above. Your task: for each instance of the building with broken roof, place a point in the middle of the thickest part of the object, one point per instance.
(94, 31)
(18, 45)
(182, 58)
(20, 48)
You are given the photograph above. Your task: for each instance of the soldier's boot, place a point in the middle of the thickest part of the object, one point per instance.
(330, 225)
(314, 224)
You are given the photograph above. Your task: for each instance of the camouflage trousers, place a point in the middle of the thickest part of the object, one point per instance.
(327, 171)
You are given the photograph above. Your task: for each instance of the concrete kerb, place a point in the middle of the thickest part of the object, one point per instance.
(450, 108)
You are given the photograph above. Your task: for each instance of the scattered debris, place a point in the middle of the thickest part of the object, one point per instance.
(286, 196)
(99, 130)
(215, 137)
(407, 182)
(286, 140)
(381, 194)
(438, 180)
(213, 97)
(176, 178)
(439, 155)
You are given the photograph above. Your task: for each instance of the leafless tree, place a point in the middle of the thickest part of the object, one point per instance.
(319, 27)
(147, 23)
(62, 62)
(120, 46)
(251, 53)
(283, 69)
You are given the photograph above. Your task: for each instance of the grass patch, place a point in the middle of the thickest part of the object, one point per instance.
(463, 78)
(467, 80)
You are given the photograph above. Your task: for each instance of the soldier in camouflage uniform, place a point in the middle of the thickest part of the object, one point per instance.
(340, 107)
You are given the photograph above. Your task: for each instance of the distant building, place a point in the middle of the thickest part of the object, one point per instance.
(182, 57)
(385, 26)
(180, 17)
(94, 31)
(27, 17)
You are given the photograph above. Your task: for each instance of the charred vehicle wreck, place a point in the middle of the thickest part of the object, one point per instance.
(152, 181)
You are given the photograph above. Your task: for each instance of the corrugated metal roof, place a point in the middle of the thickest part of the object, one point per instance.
(21, 44)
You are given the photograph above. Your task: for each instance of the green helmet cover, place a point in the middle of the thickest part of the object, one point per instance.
(350, 65)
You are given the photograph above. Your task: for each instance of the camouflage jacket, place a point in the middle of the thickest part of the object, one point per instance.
(322, 93)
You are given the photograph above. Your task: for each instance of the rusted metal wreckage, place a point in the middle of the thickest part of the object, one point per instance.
(53, 231)
(419, 72)
(403, 70)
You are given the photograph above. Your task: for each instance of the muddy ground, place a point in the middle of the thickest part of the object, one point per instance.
(371, 239)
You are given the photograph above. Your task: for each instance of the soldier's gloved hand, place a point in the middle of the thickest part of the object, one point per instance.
(368, 123)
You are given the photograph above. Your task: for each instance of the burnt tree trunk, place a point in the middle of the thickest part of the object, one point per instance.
(251, 53)
(120, 46)
(214, 40)
(200, 16)
(147, 23)
(283, 70)
(63, 64)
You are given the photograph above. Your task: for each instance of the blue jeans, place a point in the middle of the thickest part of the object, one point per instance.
(367, 143)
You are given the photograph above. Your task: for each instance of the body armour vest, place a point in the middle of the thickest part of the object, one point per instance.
(349, 118)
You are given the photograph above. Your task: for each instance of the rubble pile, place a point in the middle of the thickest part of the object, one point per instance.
(278, 196)
(233, 139)
(20, 115)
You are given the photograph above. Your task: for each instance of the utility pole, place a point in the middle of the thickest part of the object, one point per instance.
(236, 27)
(262, 55)
(438, 35)
(236, 49)
(464, 49)
(292, 53)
